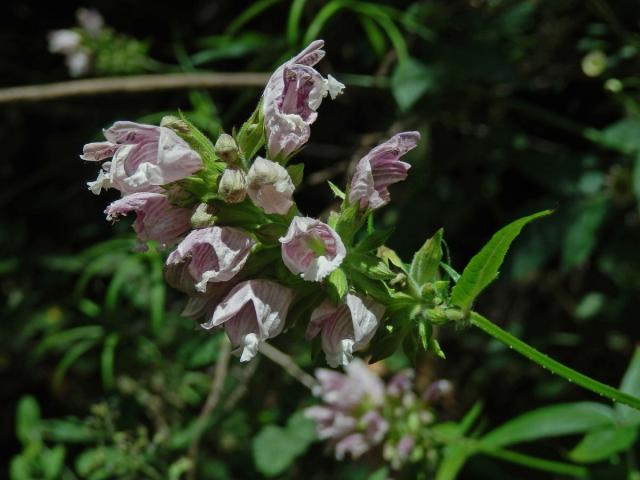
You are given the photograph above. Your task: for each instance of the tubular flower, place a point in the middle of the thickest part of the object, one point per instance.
(290, 100)
(350, 418)
(251, 313)
(270, 186)
(214, 254)
(156, 218)
(312, 249)
(380, 168)
(346, 328)
(144, 157)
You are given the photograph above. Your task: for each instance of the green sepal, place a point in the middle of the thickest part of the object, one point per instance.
(336, 190)
(348, 223)
(251, 138)
(296, 172)
(338, 285)
(426, 261)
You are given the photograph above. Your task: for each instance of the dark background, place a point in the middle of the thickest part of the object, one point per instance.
(511, 124)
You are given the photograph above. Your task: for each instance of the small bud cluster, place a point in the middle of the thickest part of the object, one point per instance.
(359, 412)
(92, 47)
(248, 261)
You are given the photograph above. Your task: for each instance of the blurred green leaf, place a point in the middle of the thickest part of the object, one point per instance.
(28, 420)
(631, 385)
(552, 421)
(601, 444)
(580, 237)
(410, 81)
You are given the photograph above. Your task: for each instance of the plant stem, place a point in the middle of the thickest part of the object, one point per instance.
(552, 365)
(535, 462)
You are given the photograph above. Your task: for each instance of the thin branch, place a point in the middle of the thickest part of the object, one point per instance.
(130, 84)
(217, 384)
(286, 362)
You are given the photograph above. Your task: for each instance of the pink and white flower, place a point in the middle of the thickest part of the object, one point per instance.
(290, 100)
(312, 249)
(350, 417)
(144, 158)
(380, 168)
(345, 328)
(270, 186)
(156, 219)
(251, 313)
(208, 255)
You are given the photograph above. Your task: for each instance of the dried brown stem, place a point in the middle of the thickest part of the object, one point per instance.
(287, 363)
(130, 84)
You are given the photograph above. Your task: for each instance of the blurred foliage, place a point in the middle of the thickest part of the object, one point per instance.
(524, 105)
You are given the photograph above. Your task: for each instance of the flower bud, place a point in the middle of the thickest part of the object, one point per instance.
(226, 148)
(203, 217)
(233, 185)
(174, 123)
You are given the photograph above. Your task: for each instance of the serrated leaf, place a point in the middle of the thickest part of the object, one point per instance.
(296, 172)
(552, 421)
(631, 385)
(483, 268)
(455, 276)
(371, 266)
(336, 190)
(425, 263)
(601, 444)
(338, 285)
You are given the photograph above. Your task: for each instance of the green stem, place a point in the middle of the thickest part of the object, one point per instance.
(552, 365)
(535, 462)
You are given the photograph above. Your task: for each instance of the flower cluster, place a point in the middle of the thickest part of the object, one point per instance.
(69, 42)
(248, 261)
(359, 412)
(93, 48)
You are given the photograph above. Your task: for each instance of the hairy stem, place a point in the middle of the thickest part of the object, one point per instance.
(552, 365)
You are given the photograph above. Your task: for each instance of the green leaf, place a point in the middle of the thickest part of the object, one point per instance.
(107, 359)
(623, 136)
(296, 172)
(336, 191)
(374, 239)
(52, 461)
(69, 430)
(250, 138)
(28, 420)
(455, 276)
(454, 458)
(601, 444)
(410, 81)
(425, 263)
(483, 268)
(338, 285)
(631, 385)
(552, 421)
(275, 448)
(580, 237)
(347, 223)
(369, 265)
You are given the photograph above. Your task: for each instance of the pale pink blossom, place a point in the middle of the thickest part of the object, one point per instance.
(252, 312)
(144, 157)
(350, 418)
(64, 41)
(156, 219)
(312, 249)
(270, 186)
(208, 255)
(345, 328)
(90, 21)
(290, 100)
(380, 168)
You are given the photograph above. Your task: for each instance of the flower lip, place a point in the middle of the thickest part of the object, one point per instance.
(380, 168)
(214, 254)
(252, 312)
(312, 249)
